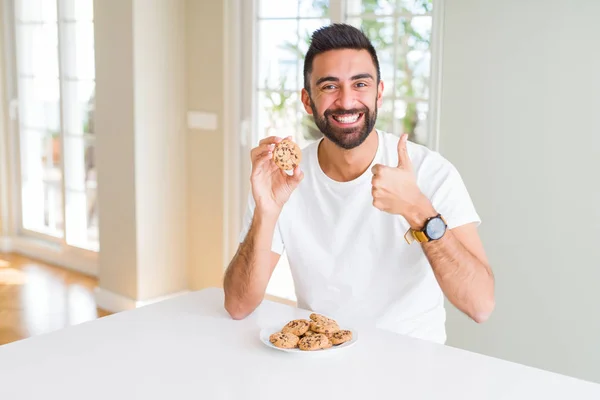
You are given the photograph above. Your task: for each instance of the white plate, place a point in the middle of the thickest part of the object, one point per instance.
(265, 333)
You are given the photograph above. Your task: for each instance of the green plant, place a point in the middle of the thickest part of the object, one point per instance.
(280, 104)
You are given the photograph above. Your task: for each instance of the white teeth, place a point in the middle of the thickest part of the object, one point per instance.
(346, 119)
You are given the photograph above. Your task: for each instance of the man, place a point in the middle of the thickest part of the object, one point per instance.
(343, 214)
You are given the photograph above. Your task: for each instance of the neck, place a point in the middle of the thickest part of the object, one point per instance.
(346, 165)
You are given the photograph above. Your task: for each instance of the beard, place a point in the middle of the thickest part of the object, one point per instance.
(346, 138)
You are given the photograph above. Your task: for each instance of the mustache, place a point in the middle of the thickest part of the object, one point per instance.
(340, 111)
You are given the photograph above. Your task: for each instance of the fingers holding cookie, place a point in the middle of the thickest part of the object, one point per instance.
(261, 158)
(264, 146)
(260, 151)
(261, 155)
(271, 140)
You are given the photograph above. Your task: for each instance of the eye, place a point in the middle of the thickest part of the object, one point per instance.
(361, 84)
(328, 87)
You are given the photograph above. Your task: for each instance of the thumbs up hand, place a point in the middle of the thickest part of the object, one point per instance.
(395, 190)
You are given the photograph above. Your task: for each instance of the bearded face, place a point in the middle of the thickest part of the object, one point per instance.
(344, 96)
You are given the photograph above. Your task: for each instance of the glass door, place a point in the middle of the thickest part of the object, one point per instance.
(55, 77)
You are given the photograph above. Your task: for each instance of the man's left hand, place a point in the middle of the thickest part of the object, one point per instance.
(395, 189)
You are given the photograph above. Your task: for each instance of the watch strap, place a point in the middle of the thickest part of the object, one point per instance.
(413, 235)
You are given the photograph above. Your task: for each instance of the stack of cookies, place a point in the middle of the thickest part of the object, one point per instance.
(318, 333)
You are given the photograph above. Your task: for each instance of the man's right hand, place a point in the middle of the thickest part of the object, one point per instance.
(271, 186)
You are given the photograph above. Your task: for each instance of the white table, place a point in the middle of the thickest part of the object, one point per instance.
(188, 348)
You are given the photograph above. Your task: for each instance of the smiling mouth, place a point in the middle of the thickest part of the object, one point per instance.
(347, 119)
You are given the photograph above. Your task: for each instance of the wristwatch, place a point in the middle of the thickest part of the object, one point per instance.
(434, 229)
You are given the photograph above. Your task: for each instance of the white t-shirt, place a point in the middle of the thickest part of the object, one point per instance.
(350, 261)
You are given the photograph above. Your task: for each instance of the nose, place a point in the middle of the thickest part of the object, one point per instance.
(345, 99)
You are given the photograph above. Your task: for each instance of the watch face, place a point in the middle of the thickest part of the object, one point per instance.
(435, 228)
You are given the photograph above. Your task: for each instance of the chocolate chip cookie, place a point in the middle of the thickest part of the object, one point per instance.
(314, 342)
(298, 327)
(284, 340)
(318, 317)
(287, 154)
(323, 326)
(340, 337)
(310, 333)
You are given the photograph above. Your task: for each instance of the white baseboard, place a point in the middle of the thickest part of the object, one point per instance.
(5, 245)
(74, 259)
(115, 303)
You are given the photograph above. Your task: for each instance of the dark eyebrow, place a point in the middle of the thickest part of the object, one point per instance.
(325, 79)
(334, 79)
(362, 76)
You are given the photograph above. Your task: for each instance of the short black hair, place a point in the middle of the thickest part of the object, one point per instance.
(337, 37)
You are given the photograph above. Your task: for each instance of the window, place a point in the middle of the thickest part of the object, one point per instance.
(55, 80)
(400, 31)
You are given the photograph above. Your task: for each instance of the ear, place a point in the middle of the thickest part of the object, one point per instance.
(306, 101)
(380, 94)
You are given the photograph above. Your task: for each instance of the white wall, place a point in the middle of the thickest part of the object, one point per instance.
(205, 44)
(141, 150)
(160, 145)
(161, 184)
(115, 146)
(520, 119)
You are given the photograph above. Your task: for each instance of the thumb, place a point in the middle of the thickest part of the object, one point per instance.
(403, 161)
